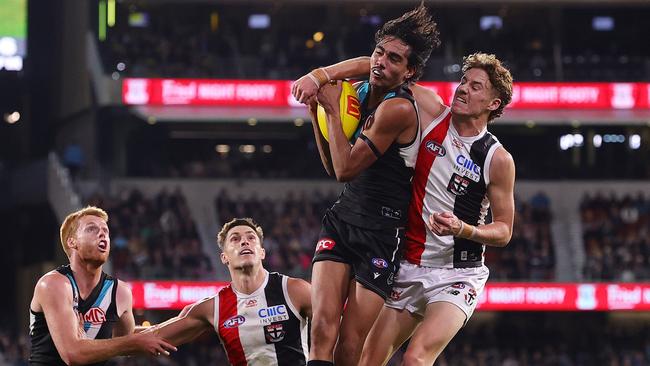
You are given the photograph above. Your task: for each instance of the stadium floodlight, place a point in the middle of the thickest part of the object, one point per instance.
(259, 21)
(602, 24)
(635, 142)
(488, 22)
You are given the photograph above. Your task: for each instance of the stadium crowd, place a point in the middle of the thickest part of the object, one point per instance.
(172, 40)
(615, 233)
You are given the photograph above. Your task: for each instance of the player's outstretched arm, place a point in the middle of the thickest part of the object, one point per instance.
(53, 294)
(189, 324)
(392, 118)
(306, 87)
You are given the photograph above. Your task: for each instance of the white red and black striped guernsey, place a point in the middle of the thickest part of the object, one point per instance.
(263, 328)
(452, 173)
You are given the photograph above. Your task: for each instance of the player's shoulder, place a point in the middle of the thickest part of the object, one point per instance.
(396, 111)
(52, 285)
(502, 157)
(298, 284)
(53, 280)
(123, 290)
(502, 164)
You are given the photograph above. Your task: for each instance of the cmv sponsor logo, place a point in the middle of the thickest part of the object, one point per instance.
(325, 244)
(234, 322)
(380, 263)
(435, 148)
(468, 164)
(273, 314)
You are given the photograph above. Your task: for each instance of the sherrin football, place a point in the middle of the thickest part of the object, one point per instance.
(350, 111)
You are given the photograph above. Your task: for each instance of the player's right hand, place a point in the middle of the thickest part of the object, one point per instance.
(304, 90)
(152, 344)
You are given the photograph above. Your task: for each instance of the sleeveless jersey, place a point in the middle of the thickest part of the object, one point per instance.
(263, 328)
(98, 311)
(379, 196)
(452, 174)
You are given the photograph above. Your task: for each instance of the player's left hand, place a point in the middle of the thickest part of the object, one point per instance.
(443, 223)
(329, 95)
(304, 90)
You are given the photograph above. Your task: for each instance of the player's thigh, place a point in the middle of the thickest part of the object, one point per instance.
(391, 329)
(329, 286)
(361, 311)
(441, 322)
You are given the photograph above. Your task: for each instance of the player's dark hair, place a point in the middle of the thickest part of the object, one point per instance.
(247, 221)
(418, 30)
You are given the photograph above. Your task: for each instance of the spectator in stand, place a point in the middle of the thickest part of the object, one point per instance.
(615, 233)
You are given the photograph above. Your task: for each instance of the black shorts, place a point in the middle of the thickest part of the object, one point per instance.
(372, 254)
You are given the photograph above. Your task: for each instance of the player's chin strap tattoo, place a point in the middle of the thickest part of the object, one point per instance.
(465, 231)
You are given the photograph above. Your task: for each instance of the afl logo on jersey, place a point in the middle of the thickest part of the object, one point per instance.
(380, 263)
(234, 322)
(435, 148)
(95, 316)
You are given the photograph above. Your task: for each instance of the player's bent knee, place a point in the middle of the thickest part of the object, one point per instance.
(323, 331)
(415, 356)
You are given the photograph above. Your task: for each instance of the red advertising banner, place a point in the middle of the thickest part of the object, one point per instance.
(172, 295)
(277, 93)
(496, 297)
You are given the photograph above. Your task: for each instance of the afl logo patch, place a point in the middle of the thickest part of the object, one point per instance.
(380, 263)
(234, 321)
(435, 148)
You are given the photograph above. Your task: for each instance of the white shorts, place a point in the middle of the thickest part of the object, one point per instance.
(416, 287)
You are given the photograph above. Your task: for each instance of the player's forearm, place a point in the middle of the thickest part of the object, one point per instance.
(321, 143)
(358, 67)
(496, 234)
(86, 351)
(178, 330)
(339, 149)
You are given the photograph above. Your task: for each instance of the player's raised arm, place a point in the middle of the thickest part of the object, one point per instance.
(306, 87)
(376, 136)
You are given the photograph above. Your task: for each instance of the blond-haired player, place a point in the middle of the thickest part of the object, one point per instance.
(77, 308)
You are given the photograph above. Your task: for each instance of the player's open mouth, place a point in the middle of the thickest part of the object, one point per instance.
(103, 245)
(377, 73)
(246, 251)
(461, 100)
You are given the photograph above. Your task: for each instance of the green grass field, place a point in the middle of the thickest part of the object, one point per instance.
(13, 18)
